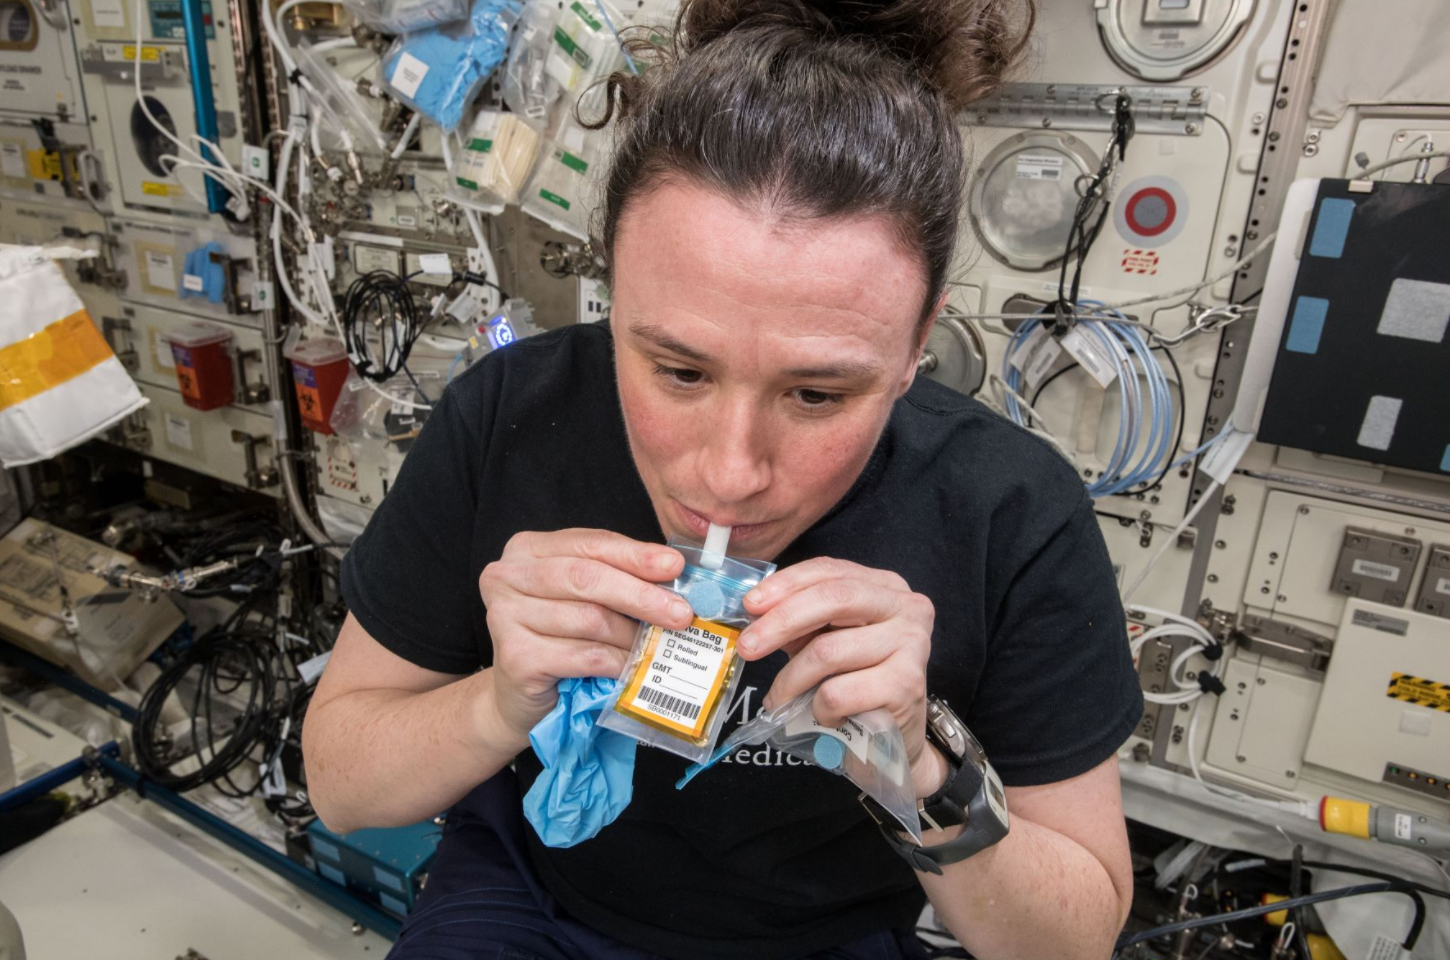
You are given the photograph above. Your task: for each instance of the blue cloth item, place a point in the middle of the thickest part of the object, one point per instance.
(588, 776)
(213, 276)
(439, 72)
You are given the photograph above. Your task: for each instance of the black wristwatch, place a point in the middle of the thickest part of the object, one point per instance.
(972, 796)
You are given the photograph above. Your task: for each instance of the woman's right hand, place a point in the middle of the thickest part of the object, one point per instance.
(559, 605)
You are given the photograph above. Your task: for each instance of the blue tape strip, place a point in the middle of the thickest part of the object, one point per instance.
(333, 874)
(1332, 227)
(1445, 460)
(392, 903)
(1307, 324)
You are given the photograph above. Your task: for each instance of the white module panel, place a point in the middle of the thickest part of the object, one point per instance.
(60, 167)
(170, 265)
(214, 442)
(1261, 723)
(146, 338)
(1386, 708)
(1296, 569)
(39, 75)
(131, 142)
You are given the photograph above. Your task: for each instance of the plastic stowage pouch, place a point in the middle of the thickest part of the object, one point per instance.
(405, 16)
(494, 159)
(528, 89)
(866, 749)
(439, 72)
(672, 690)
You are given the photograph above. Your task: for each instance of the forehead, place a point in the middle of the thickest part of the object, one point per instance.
(684, 249)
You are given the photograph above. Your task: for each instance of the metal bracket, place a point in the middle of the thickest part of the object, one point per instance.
(1086, 106)
(257, 477)
(1284, 641)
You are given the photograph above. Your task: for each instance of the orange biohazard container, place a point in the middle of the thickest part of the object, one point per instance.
(203, 364)
(319, 368)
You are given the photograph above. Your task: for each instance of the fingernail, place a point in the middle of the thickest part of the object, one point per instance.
(754, 596)
(664, 561)
(680, 610)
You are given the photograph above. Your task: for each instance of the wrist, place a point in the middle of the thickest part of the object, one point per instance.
(492, 733)
(929, 773)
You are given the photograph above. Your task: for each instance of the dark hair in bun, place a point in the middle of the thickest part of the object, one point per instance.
(816, 109)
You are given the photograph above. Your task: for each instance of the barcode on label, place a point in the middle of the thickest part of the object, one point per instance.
(663, 701)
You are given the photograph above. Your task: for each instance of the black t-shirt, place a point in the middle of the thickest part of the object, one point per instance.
(761, 856)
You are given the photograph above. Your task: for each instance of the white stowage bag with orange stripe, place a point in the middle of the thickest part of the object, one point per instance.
(60, 383)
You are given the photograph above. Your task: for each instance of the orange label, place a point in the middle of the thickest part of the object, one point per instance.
(63, 350)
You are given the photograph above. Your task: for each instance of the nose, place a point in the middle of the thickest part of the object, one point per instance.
(737, 452)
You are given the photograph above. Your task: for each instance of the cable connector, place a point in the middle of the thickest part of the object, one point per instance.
(1212, 652)
(1208, 683)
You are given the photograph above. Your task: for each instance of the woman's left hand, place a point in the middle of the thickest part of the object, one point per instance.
(862, 635)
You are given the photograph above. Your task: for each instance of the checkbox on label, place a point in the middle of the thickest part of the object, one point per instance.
(665, 654)
(669, 642)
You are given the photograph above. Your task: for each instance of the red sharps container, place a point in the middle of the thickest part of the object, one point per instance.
(203, 364)
(319, 368)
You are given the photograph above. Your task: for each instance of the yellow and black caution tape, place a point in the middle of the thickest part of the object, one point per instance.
(1419, 691)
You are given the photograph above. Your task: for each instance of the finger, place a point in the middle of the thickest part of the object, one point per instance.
(575, 620)
(551, 659)
(793, 579)
(592, 581)
(647, 561)
(830, 603)
(884, 686)
(830, 654)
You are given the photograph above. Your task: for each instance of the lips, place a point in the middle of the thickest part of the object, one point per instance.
(698, 524)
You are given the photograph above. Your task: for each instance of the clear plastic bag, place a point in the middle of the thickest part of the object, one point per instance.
(674, 688)
(560, 191)
(363, 414)
(528, 89)
(494, 159)
(406, 16)
(439, 72)
(341, 101)
(584, 46)
(867, 750)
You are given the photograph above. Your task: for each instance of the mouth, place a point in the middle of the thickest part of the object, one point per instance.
(698, 525)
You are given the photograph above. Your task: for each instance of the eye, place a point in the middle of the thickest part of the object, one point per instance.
(679, 376)
(816, 399)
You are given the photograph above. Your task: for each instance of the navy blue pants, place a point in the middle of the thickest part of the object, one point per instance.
(484, 902)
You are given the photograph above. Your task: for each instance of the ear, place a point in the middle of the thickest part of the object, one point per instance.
(921, 337)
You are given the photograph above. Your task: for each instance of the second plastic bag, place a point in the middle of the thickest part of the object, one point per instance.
(867, 750)
(672, 691)
(439, 72)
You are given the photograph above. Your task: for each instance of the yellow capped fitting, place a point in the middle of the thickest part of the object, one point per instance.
(1279, 917)
(1349, 817)
(1323, 948)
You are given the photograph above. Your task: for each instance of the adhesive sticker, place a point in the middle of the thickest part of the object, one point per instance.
(1419, 691)
(1140, 262)
(1151, 212)
(178, 432)
(1035, 166)
(1306, 326)
(12, 160)
(1331, 227)
(160, 270)
(1379, 571)
(1091, 356)
(408, 74)
(680, 675)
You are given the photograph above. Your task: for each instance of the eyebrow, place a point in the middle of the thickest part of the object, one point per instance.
(838, 370)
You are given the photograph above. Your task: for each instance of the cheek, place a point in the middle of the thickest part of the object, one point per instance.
(657, 431)
(819, 462)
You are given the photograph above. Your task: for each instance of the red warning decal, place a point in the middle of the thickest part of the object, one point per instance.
(1140, 262)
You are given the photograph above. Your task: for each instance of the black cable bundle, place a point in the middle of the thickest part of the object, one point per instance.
(1092, 199)
(254, 542)
(380, 299)
(232, 664)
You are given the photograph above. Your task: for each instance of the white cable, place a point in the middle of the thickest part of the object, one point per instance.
(1171, 539)
(1301, 808)
(408, 132)
(1243, 262)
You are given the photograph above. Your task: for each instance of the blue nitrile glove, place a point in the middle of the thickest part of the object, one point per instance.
(453, 61)
(588, 776)
(198, 263)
